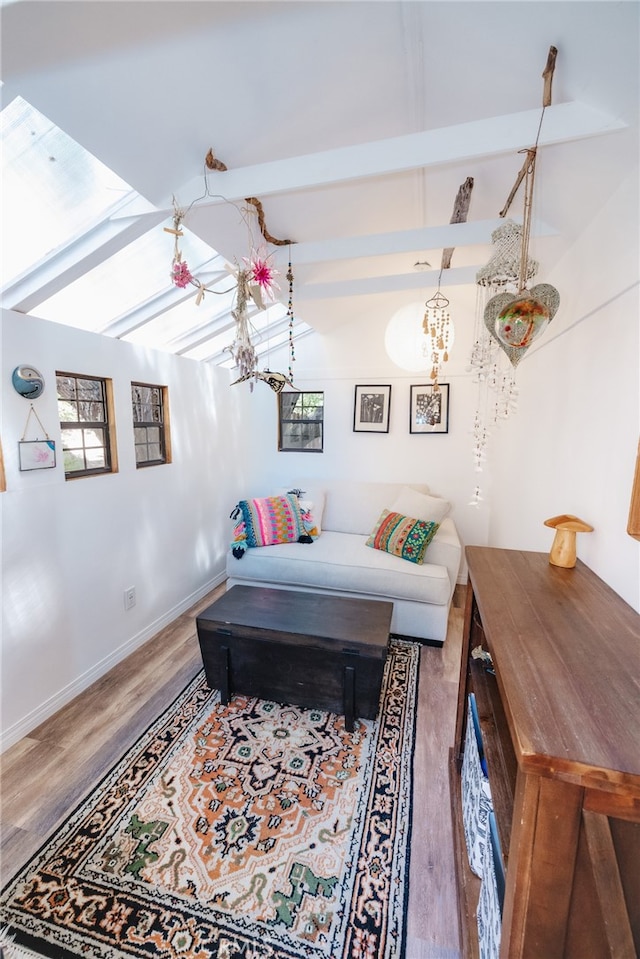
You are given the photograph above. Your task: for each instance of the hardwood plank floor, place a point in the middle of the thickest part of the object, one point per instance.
(46, 774)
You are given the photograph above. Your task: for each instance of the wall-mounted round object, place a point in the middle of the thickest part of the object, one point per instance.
(27, 381)
(405, 341)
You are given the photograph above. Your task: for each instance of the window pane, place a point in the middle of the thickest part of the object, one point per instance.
(311, 435)
(73, 461)
(85, 449)
(66, 387)
(89, 389)
(68, 412)
(301, 421)
(96, 458)
(95, 412)
(289, 403)
(147, 408)
(71, 439)
(93, 437)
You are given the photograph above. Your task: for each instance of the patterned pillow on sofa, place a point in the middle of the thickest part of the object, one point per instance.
(402, 536)
(266, 522)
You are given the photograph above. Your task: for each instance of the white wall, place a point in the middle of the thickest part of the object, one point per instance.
(572, 446)
(569, 448)
(335, 362)
(70, 548)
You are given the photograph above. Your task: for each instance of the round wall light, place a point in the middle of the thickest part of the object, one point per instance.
(405, 341)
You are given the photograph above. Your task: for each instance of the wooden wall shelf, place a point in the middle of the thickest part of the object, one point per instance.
(560, 721)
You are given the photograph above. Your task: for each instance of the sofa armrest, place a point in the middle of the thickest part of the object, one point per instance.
(446, 550)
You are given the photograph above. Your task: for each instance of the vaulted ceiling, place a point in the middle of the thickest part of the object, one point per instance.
(354, 123)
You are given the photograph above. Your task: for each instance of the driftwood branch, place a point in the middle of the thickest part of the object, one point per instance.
(254, 201)
(212, 163)
(521, 175)
(460, 211)
(547, 76)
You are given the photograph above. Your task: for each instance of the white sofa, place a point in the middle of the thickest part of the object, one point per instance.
(338, 562)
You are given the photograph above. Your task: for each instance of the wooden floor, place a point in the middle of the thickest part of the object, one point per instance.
(45, 775)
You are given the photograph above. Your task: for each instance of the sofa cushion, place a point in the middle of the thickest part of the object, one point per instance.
(402, 536)
(343, 561)
(354, 507)
(431, 509)
(268, 521)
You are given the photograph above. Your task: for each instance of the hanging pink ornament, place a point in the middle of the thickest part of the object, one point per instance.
(262, 274)
(180, 274)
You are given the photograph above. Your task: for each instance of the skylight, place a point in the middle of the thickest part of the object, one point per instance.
(82, 248)
(130, 277)
(52, 189)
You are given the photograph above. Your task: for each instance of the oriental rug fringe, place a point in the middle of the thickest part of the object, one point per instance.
(254, 830)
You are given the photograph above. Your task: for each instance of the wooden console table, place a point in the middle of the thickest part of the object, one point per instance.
(560, 722)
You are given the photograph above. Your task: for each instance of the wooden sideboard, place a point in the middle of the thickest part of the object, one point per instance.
(560, 720)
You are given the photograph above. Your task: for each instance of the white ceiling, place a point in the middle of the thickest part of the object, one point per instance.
(355, 123)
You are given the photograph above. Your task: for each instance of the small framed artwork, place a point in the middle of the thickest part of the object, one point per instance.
(36, 454)
(429, 409)
(371, 409)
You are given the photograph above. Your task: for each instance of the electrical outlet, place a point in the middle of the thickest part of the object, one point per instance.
(130, 597)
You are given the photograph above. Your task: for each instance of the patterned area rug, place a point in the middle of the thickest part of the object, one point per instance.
(248, 831)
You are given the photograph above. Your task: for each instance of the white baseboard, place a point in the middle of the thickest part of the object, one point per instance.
(24, 726)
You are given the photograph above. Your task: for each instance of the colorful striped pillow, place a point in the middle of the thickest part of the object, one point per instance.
(402, 536)
(268, 521)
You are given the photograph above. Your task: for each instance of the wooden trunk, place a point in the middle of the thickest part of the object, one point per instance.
(295, 647)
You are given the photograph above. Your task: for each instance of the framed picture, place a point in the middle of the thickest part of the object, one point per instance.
(36, 454)
(371, 409)
(429, 409)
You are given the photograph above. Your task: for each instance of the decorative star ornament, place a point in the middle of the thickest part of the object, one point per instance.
(515, 320)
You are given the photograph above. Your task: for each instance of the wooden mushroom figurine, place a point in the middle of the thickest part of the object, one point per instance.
(563, 549)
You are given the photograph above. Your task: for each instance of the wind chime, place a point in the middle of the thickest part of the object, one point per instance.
(252, 281)
(438, 330)
(514, 315)
(437, 325)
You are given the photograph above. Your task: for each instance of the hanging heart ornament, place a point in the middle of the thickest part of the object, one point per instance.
(516, 320)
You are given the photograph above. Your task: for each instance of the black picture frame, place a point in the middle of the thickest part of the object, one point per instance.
(429, 408)
(371, 408)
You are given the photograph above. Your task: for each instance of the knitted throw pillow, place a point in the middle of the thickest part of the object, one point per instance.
(402, 536)
(267, 521)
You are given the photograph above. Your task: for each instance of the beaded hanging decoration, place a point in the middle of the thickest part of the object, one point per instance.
(438, 329)
(292, 354)
(497, 390)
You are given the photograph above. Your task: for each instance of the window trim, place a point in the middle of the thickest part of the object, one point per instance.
(163, 425)
(109, 426)
(298, 449)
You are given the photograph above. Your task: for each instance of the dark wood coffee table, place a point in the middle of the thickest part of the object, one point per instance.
(308, 649)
